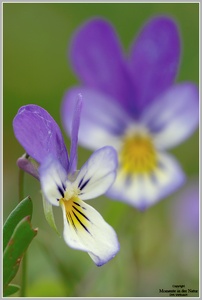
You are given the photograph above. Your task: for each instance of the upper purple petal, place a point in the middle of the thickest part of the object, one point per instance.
(96, 57)
(39, 134)
(74, 134)
(154, 59)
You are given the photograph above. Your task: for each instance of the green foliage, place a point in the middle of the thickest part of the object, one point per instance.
(23, 209)
(11, 289)
(18, 234)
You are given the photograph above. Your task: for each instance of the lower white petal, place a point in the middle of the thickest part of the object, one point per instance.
(144, 190)
(85, 229)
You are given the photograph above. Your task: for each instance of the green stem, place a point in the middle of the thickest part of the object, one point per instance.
(21, 185)
(24, 261)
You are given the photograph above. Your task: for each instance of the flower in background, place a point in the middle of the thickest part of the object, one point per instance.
(184, 211)
(62, 184)
(134, 105)
(184, 224)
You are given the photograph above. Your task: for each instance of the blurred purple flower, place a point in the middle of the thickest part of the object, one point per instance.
(185, 211)
(134, 105)
(184, 223)
(62, 184)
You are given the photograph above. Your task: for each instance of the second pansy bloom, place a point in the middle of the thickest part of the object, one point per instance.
(134, 105)
(63, 185)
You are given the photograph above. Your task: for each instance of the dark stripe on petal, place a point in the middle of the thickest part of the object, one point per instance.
(67, 219)
(60, 191)
(80, 182)
(81, 213)
(81, 222)
(64, 187)
(72, 221)
(84, 184)
(76, 203)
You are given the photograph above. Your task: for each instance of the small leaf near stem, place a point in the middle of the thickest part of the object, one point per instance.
(23, 209)
(17, 246)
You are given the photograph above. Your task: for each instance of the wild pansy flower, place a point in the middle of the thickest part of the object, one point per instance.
(61, 183)
(134, 105)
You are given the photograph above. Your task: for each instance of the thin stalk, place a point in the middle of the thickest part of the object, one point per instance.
(20, 185)
(24, 260)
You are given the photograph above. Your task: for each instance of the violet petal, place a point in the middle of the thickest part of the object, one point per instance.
(96, 56)
(39, 134)
(154, 59)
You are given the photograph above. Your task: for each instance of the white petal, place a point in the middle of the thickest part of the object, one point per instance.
(144, 190)
(91, 233)
(52, 177)
(98, 173)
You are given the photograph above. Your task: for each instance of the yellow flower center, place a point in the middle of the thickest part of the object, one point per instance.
(138, 155)
(75, 212)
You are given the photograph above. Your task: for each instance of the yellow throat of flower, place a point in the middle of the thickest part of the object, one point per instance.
(75, 212)
(137, 155)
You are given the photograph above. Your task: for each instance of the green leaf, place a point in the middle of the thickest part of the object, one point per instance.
(16, 248)
(11, 289)
(48, 212)
(23, 209)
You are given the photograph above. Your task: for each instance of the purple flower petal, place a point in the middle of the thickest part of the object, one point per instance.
(39, 134)
(102, 122)
(154, 59)
(74, 135)
(96, 56)
(144, 190)
(174, 116)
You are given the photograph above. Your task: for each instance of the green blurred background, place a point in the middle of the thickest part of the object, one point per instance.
(35, 70)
